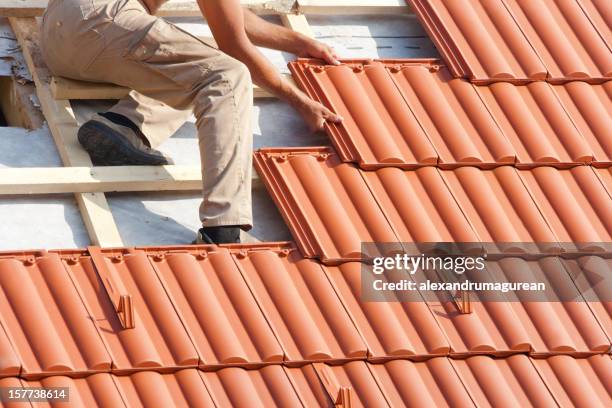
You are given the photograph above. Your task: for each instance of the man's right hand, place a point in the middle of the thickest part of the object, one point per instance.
(315, 114)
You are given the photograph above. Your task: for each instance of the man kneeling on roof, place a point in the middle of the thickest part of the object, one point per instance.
(172, 74)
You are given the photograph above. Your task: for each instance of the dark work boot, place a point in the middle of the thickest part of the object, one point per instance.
(219, 235)
(111, 144)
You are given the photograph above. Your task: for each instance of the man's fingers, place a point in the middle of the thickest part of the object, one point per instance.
(332, 117)
(331, 58)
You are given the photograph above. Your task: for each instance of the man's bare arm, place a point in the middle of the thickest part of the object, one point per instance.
(269, 35)
(227, 23)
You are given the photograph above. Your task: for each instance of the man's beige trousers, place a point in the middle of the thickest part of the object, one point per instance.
(172, 74)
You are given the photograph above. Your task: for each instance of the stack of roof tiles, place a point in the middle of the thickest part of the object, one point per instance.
(506, 141)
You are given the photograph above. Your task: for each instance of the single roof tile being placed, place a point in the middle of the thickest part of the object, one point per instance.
(370, 103)
(520, 40)
(394, 110)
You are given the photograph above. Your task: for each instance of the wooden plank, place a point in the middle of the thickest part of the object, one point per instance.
(63, 125)
(298, 23)
(353, 7)
(100, 179)
(62, 180)
(65, 88)
(174, 8)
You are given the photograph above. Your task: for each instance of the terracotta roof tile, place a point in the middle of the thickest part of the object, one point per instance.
(480, 380)
(590, 108)
(184, 388)
(390, 329)
(520, 40)
(574, 203)
(216, 306)
(412, 113)
(511, 381)
(301, 305)
(593, 276)
(434, 217)
(266, 387)
(510, 215)
(331, 210)
(578, 382)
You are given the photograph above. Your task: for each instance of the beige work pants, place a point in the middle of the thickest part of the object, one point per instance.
(172, 74)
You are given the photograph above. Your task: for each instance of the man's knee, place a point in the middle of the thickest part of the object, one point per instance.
(238, 74)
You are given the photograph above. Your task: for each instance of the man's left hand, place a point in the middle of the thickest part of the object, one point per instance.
(316, 49)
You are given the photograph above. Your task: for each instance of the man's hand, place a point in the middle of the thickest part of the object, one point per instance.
(315, 114)
(316, 49)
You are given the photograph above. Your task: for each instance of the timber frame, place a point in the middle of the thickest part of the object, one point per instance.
(79, 176)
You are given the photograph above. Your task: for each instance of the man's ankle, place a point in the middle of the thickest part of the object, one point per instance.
(223, 234)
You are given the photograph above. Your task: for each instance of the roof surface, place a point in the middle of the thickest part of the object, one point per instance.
(259, 325)
(505, 142)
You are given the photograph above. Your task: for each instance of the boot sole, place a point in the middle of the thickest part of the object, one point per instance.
(109, 148)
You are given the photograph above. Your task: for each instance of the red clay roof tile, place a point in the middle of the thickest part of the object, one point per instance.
(390, 329)
(412, 113)
(184, 388)
(590, 108)
(511, 381)
(508, 323)
(216, 306)
(578, 382)
(301, 306)
(418, 205)
(331, 210)
(593, 276)
(266, 387)
(520, 40)
(574, 203)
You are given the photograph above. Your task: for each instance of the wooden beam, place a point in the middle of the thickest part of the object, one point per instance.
(174, 8)
(353, 7)
(62, 180)
(64, 88)
(298, 23)
(101, 179)
(63, 125)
